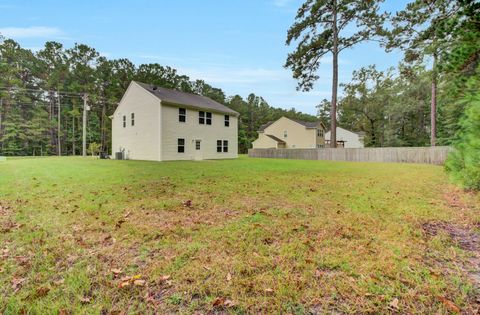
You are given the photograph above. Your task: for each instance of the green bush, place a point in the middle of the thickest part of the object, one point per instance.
(463, 164)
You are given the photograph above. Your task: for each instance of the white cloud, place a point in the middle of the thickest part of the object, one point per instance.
(32, 31)
(234, 75)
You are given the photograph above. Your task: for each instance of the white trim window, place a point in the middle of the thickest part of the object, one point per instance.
(227, 120)
(124, 121)
(204, 118)
(132, 116)
(180, 145)
(182, 114)
(285, 134)
(320, 132)
(225, 146)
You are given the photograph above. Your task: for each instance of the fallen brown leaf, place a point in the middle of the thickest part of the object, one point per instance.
(139, 282)
(269, 291)
(449, 305)
(394, 303)
(85, 299)
(42, 291)
(229, 277)
(17, 283)
(218, 301)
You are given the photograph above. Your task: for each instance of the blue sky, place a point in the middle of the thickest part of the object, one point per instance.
(237, 45)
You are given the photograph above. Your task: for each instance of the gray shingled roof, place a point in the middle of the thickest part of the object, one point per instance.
(307, 124)
(187, 99)
(264, 126)
(276, 139)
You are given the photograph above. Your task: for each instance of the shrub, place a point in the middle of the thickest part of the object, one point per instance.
(94, 148)
(463, 164)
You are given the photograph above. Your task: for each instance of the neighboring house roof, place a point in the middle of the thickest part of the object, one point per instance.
(276, 139)
(359, 133)
(264, 126)
(306, 124)
(187, 99)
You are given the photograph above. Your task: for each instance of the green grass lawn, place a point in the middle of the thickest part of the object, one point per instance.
(238, 236)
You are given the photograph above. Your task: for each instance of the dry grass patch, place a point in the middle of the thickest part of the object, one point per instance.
(239, 236)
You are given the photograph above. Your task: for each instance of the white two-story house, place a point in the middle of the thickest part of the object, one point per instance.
(159, 124)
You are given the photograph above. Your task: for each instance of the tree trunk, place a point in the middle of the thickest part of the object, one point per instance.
(333, 110)
(102, 124)
(59, 140)
(1, 124)
(373, 134)
(433, 110)
(50, 118)
(73, 131)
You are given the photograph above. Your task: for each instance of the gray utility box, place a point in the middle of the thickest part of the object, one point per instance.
(118, 155)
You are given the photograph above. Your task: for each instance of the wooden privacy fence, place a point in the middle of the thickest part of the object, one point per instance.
(426, 155)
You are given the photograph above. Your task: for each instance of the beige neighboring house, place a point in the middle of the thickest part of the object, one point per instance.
(290, 134)
(347, 138)
(158, 124)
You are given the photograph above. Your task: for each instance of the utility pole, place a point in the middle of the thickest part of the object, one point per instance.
(84, 134)
(59, 144)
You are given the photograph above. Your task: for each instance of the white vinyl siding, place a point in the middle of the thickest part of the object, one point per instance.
(141, 142)
(192, 130)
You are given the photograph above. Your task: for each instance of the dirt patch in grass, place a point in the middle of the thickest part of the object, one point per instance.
(463, 236)
(468, 240)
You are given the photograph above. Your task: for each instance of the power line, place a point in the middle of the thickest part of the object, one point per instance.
(15, 89)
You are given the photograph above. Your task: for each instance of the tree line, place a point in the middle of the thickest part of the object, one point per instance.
(396, 107)
(41, 98)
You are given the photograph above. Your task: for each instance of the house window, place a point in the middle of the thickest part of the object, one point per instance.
(181, 145)
(201, 118)
(209, 118)
(182, 115)
(227, 120)
(124, 121)
(320, 146)
(225, 145)
(133, 119)
(319, 132)
(197, 144)
(284, 133)
(219, 146)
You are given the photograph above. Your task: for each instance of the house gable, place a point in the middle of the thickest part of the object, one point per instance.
(136, 125)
